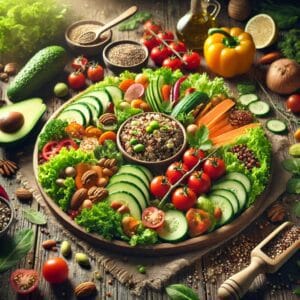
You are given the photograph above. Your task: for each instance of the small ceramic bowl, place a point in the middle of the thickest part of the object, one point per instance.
(155, 166)
(117, 69)
(9, 204)
(87, 50)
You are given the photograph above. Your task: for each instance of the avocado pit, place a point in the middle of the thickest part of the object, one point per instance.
(11, 121)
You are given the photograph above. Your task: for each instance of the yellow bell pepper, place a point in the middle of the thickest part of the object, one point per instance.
(229, 52)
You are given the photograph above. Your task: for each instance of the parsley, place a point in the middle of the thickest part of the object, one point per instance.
(123, 115)
(200, 139)
(108, 150)
(246, 87)
(290, 44)
(133, 22)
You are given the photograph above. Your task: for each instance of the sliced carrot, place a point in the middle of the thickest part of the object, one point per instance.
(223, 129)
(136, 103)
(166, 91)
(108, 135)
(231, 136)
(215, 113)
(217, 125)
(125, 84)
(81, 168)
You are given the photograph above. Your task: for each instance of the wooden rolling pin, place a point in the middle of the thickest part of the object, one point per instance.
(266, 257)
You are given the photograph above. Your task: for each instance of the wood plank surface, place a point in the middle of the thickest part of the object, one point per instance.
(168, 12)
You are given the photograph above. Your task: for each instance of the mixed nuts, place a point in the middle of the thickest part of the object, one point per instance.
(8, 70)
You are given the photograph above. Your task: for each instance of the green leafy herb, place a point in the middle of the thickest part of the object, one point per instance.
(296, 210)
(293, 185)
(23, 29)
(246, 88)
(102, 219)
(12, 250)
(200, 139)
(181, 292)
(141, 269)
(133, 22)
(296, 291)
(127, 75)
(108, 150)
(292, 165)
(186, 119)
(123, 115)
(34, 216)
(144, 236)
(66, 193)
(54, 131)
(290, 44)
(169, 76)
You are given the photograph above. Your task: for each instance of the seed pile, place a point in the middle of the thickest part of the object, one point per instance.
(246, 156)
(239, 117)
(5, 215)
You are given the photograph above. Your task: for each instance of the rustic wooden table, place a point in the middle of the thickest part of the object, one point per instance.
(168, 12)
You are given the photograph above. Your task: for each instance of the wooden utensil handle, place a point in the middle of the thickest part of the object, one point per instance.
(237, 285)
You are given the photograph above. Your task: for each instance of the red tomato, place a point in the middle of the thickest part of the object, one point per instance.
(76, 80)
(149, 41)
(214, 167)
(95, 72)
(79, 63)
(198, 221)
(55, 270)
(153, 217)
(175, 171)
(192, 61)
(159, 186)
(24, 281)
(153, 26)
(189, 90)
(167, 36)
(199, 182)
(184, 198)
(293, 103)
(67, 143)
(192, 156)
(217, 213)
(172, 62)
(178, 46)
(50, 149)
(159, 54)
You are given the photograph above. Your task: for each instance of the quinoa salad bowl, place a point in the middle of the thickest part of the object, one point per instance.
(154, 163)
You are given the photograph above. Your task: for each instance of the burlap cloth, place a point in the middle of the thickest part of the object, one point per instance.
(159, 269)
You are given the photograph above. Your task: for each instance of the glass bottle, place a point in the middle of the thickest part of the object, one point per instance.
(193, 26)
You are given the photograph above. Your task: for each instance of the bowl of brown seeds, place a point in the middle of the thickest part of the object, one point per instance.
(6, 215)
(124, 55)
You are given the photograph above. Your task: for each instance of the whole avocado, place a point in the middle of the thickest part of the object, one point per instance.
(39, 70)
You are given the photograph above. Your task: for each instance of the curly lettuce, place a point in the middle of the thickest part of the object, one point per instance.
(170, 77)
(144, 236)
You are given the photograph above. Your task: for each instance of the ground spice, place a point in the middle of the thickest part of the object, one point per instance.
(5, 215)
(126, 55)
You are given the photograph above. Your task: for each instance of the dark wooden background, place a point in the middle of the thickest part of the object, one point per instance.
(168, 12)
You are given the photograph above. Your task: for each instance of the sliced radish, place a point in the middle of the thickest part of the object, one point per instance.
(135, 91)
(176, 89)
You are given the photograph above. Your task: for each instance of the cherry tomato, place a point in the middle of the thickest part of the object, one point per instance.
(214, 167)
(192, 156)
(178, 46)
(76, 80)
(167, 36)
(153, 26)
(79, 63)
(95, 73)
(198, 221)
(199, 182)
(175, 171)
(159, 54)
(217, 213)
(293, 103)
(67, 143)
(192, 61)
(189, 90)
(149, 41)
(172, 62)
(153, 217)
(55, 270)
(50, 149)
(183, 198)
(159, 186)
(24, 281)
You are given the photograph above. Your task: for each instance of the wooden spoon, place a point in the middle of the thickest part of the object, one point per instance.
(237, 285)
(89, 37)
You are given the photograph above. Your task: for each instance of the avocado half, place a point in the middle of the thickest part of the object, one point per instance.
(32, 110)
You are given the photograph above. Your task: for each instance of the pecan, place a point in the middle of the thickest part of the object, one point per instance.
(89, 178)
(49, 244)
(102, 161)
(276, 212)
(23, 194)
(97, 194)
(78, 197)
(85, 289)
(108, 119)
(8, 167)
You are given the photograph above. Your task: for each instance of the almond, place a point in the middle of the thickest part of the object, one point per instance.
(85, 289)
(78, 197)
(23, 194)
(49, 244)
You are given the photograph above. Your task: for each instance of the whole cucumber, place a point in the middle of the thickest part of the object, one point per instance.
(39, 70)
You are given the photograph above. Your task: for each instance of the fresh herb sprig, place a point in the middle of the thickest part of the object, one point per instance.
(200, 139)
(134, 22)
(181, 292)
(292, 165)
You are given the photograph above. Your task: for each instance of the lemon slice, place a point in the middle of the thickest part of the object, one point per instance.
(263, 30)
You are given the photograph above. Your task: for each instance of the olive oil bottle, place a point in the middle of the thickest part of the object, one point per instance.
(192, 28)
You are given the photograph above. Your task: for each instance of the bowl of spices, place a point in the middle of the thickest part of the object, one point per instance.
(77, 29)
(6, 215)
(152, 139)
(125, 55)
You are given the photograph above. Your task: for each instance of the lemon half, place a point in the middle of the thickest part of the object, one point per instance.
(263, 30)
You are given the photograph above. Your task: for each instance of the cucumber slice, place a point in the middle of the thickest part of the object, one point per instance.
(247, 99)
(84, 108)
(94, 101)
(129, 200)
(130, 178)
(93, 110)
(150, 96)
(276, 126)
(147, 172)
(242, 178)
(175, 226)
(104, 98)
(234, 186)
(116, 94)
(73, 115)
(229, 195)
(134, 170)
(131, 188)
(259, 108)
(226, 207)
